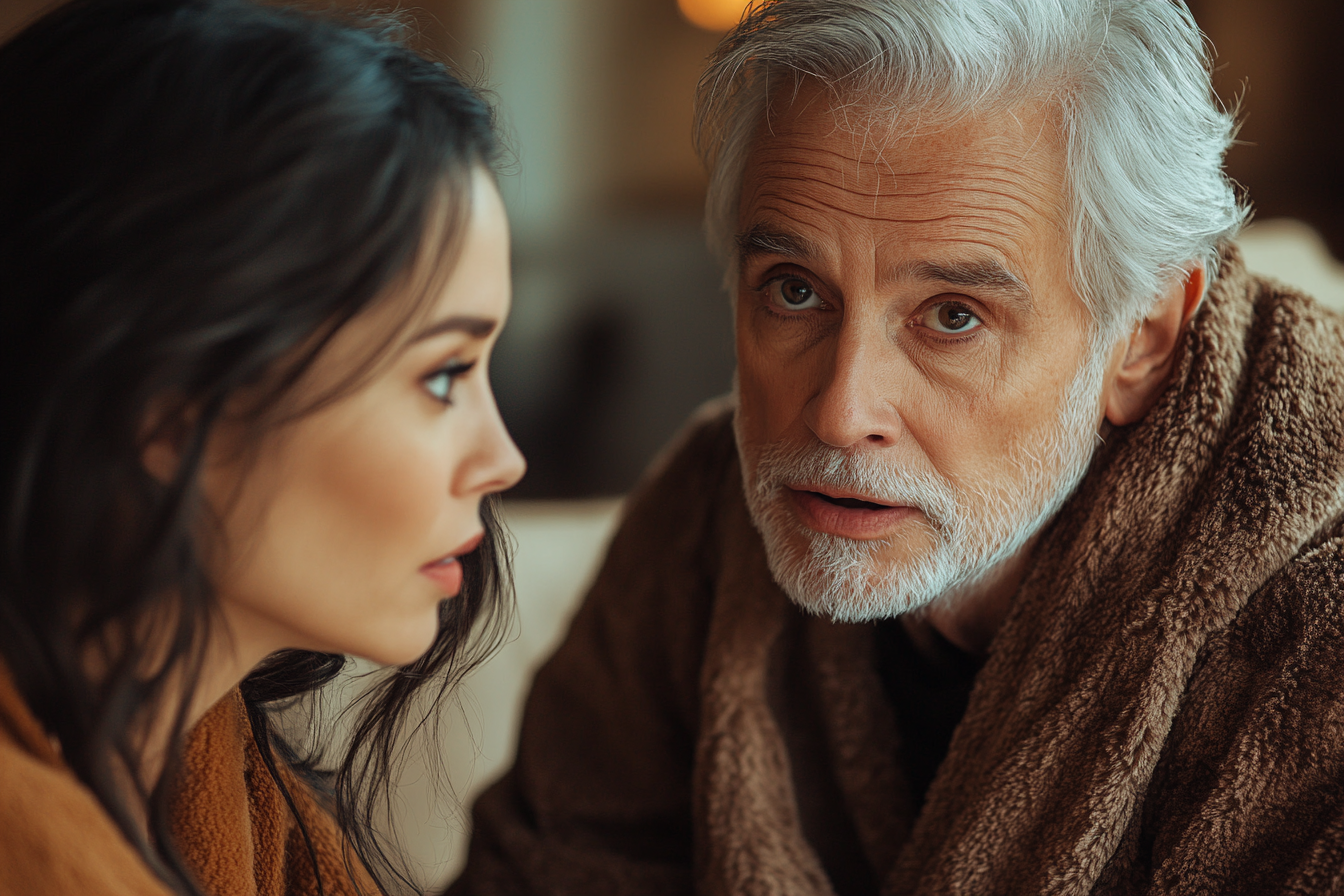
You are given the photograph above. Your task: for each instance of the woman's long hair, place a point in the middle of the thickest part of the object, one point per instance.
(195, 195)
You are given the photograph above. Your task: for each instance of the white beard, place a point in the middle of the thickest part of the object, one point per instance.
(974, 528)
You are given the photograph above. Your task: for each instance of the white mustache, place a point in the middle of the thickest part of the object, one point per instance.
(782, 465)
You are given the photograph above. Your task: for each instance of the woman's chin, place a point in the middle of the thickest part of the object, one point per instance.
(399, 648)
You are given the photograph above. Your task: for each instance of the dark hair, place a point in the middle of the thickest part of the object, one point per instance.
(195, 195)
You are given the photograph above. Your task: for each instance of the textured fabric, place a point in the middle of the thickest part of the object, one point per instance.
(232, 825)
(1161, 712)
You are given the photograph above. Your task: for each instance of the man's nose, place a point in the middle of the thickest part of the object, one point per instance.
(851, 407)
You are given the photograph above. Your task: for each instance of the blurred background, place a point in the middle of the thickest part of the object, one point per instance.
(620, 326)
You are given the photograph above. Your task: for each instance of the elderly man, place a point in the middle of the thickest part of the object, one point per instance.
(1016, 564)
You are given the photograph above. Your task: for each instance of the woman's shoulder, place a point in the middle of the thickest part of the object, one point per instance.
(58, 838)
(240, 828)
(232, 823)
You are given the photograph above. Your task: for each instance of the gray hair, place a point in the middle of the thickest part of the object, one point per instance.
(1143, 131)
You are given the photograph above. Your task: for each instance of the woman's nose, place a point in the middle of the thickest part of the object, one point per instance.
(495, 463)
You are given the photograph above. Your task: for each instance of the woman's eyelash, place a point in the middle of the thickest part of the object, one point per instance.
(447, 375)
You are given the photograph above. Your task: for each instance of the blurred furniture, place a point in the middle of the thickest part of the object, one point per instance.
(1294, 252)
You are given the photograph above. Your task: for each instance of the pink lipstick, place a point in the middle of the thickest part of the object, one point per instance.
(446, 572)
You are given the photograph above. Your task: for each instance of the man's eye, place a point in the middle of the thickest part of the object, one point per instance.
(440, 383)
(952, 318)
(793, 293)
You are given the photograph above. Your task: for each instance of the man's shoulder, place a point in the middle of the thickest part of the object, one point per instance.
(704, 448)
(1308, 332)
(687, 485)
(638, 639)
(669, 542)
(1311, 583)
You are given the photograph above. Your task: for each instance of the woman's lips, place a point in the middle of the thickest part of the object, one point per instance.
(446, 572)
(863, 519)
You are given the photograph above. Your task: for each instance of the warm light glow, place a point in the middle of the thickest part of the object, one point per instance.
(713, 15)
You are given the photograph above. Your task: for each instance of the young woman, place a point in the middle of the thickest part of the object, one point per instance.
(252, 265)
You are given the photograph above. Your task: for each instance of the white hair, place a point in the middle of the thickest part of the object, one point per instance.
(1144, 134)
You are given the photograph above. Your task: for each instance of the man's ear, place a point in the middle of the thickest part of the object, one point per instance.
(1150, 351)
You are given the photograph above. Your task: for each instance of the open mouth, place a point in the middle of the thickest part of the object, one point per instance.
(846, 515)
(851, 503)
(465, 548)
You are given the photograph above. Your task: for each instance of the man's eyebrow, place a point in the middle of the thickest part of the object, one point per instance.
(981, 273)
(761, 240)
(476, 327)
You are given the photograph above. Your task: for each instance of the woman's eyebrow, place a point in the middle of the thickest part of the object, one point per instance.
(476, 327)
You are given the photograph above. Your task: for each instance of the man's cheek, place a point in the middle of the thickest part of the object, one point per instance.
(766, 402)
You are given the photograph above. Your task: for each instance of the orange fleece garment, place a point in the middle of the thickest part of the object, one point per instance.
(233, 827)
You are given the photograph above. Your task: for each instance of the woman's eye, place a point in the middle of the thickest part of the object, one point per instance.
(952, 318)
(440, 383)
(793, 293)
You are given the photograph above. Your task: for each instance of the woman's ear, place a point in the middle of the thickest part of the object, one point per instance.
(163, 434)
(1150, 353)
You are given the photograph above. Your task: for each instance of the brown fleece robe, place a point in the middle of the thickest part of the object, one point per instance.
(231, 822)
(1162, 711)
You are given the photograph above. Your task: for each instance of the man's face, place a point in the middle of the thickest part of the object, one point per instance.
(917, 387)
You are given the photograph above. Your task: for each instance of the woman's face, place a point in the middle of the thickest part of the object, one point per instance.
(341, 529)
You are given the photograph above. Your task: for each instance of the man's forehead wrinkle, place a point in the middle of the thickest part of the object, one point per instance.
(985, 199)
(894, 128)
(972, 175)
(1009, 171)
(781, 223)
(973, 221)
(1005, 208)
(765, 159)
(780, 219)
(999, 194)
(880, 159)
(1019, 210)
(1013, 202)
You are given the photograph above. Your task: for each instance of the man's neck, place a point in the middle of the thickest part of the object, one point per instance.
(970, 615)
